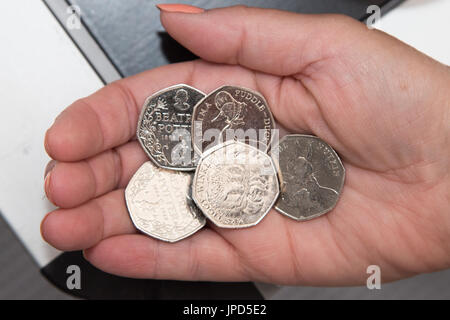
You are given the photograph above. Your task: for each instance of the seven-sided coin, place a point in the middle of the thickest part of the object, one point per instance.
(164, 127)
(235, 185)
(232, 113)
(158, 203)
(311, 176)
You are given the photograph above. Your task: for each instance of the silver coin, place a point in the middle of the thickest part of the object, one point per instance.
(232, 113)
(235, 185)
(158, 205)
(311, 176)
(164, 127)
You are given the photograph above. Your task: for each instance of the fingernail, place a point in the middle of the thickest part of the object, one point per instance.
(42, 225)
(48, 174)
(46, 147)
(47, 186)
(50, 165)
(181, 8)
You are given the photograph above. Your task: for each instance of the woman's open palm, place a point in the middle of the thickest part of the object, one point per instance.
(383, 106)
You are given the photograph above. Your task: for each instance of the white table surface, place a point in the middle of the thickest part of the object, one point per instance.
(423, 24)
(41, 73)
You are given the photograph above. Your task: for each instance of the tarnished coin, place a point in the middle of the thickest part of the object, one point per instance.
(157, 200)
(235, 185)
(164, 127)
(232, 113)
(311, 174)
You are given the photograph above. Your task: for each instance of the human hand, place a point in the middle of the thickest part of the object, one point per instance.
(383, 106)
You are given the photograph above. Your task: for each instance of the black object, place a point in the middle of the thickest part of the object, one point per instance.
(96, 284)
(132, 36)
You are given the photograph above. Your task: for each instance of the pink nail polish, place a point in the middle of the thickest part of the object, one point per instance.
(181, 8)
(47, 187)
(50, 165)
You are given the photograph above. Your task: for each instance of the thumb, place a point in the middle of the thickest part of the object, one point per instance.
(272, 41)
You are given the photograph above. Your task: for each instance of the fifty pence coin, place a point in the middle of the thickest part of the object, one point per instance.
(235, 185)
(157, 200)
(311, 176)
(231, 112)
(164, 127)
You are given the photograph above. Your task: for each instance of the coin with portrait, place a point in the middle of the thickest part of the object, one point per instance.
(164, 127)
(235, 185)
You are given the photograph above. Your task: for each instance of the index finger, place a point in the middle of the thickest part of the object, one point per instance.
(108, 118)
(272, 41)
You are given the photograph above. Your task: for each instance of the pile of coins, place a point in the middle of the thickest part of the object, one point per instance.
(241, 170)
